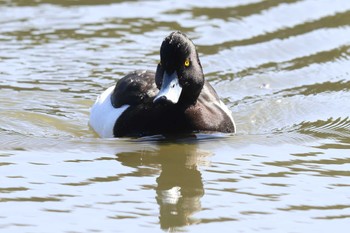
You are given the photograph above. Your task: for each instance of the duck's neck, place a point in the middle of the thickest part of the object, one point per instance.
(189, 98)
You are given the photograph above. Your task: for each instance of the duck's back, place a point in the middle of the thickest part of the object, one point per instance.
(135, 88)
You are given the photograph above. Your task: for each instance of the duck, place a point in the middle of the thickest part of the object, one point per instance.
(175, 99)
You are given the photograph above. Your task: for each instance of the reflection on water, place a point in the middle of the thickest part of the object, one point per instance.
(179, 184)
(282, 67)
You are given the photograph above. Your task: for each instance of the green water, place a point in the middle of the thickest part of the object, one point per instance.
(282, 67)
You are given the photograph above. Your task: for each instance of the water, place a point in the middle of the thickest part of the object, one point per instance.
(282, 67)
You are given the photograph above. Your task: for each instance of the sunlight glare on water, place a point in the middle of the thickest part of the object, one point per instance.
(282, 67)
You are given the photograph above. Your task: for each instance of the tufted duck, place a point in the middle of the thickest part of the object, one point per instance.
(175, 99)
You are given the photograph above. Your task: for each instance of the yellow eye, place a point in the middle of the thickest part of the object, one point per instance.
(187, 62)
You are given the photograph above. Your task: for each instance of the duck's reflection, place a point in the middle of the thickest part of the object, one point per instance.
(179, 185)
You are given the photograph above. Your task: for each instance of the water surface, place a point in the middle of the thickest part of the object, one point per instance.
(282, 67)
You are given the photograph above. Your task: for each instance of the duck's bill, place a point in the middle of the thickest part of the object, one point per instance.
(170, 90)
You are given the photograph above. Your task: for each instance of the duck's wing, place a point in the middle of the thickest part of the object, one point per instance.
(216, 115)
(208, 94)
(134, 88)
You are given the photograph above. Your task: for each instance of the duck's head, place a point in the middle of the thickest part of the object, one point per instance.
(179, 75)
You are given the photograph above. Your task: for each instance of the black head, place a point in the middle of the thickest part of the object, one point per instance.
(179, 74)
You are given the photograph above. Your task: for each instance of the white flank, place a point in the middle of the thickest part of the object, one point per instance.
(103, 115)
(227, 111)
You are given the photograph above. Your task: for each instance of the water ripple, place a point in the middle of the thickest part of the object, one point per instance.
(282, 67)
